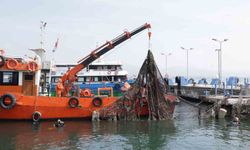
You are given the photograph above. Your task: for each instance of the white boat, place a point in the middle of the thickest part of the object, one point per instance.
(99, 74)
(98, 71)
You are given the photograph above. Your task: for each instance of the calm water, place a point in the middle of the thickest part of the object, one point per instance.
(185, 132)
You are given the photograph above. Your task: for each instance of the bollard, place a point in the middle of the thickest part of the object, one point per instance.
(222, 113)
(95, 116)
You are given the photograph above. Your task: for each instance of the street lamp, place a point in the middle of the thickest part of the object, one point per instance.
(166, 60)
(187, 57)
(220, 58)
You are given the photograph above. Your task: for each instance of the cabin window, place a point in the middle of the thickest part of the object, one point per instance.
(120, 78)
(28, 77)
(105, 78)
(118, 68)
(94, 67)
(9, 78)
(54, 79)
(98, 68)
(105, 67)
(123, 78)
(88, 79)
(80, 79)
(115, 78)
(109, 78)
(112, 67)
(96, 79)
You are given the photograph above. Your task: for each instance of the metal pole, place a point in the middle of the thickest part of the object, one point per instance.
(187, 58)
(218, 50)
(220, 59)
(220, 71)
(187, 64)
(166, 60)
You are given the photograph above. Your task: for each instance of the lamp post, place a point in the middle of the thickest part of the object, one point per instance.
(220, 58)
(166, 60)
(187, 49)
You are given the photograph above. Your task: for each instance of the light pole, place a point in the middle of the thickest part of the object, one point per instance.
(187, 49)
(220, 58)
(166, 60)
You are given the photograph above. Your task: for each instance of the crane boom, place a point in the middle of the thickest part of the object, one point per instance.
(70, 76)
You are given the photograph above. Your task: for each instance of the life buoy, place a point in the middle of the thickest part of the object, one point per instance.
(12, 63)
(86, 92)
(32, 66)
(2, 61)
(73, 102)
(97, 102)
(7, 101)
(109, 72)
(36, 116)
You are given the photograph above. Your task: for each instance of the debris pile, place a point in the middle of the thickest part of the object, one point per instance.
(146, 97)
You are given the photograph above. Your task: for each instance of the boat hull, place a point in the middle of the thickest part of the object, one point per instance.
(52, 107)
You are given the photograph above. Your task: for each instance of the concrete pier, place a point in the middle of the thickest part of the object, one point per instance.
(235, 105)
(234, 101)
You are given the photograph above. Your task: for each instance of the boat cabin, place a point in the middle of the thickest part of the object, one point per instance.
(96, 72)
(19, 76)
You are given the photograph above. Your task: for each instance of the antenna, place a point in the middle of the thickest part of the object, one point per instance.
(42, 28)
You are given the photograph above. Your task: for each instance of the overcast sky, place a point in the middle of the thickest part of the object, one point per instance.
(83, 24)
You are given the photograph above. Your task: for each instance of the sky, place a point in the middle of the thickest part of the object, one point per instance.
(81, 25)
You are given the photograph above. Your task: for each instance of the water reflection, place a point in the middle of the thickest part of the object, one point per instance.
(184, 132)
(79, 134)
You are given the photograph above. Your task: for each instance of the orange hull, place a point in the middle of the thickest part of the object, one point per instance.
(51, 107)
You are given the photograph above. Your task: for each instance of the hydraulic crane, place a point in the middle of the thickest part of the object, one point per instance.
(70, 76)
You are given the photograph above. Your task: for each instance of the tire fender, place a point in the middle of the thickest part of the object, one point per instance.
(97, 102)
(73, 102)
(7, 101)
(36, 116)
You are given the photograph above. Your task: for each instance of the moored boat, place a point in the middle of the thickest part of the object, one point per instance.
(99, 74)
(20, 99)
(19, 88)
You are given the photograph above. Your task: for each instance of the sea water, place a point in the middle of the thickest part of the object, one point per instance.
(186, 131)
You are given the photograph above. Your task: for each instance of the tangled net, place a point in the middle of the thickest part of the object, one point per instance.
(146, 97)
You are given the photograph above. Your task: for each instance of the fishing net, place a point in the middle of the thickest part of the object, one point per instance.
(146, 97)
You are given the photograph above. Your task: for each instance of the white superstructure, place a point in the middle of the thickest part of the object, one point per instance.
(97, 71)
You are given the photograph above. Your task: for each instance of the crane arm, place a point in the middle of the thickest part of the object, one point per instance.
(69, 77)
